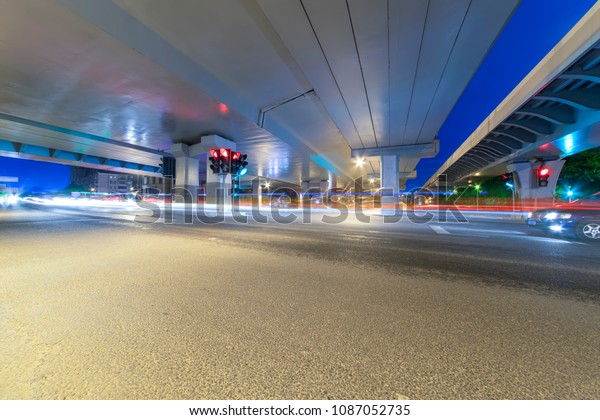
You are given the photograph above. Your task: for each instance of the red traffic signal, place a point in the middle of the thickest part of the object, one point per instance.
(543, 175)
(214, 161)
(225, 160)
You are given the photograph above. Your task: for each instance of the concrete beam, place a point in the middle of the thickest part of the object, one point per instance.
(413, 150)
(213, 142)
(555, 115)
(408, 175)
(581, 99)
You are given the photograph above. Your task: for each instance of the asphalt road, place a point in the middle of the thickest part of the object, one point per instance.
(103, 308)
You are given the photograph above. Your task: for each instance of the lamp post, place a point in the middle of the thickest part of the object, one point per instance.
(477, 187)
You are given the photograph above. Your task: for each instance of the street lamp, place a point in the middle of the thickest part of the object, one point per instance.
(570, 194)
(477, 188)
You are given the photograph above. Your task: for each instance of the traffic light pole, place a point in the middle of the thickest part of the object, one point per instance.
(223, 193)
(513, 198)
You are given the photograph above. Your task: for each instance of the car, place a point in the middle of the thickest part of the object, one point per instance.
(580, 218)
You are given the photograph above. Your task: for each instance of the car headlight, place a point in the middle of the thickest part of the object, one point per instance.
(554, 215)
(529, 215)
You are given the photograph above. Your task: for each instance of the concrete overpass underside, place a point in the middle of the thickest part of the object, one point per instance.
(299, 85)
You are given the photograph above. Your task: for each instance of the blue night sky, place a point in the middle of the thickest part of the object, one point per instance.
(32, 174)
(534, 29)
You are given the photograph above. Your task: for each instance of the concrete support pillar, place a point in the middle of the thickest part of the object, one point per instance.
(332, 181)
(527, 190)
(390, 182)
(306, 170)
(305, 185)
(187, 169)
(324, 185)
(257, 192)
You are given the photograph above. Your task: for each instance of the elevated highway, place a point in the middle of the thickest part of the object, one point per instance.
(553, 113)
(304, 87)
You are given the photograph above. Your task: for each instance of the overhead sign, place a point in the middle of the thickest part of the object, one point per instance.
(9, 179)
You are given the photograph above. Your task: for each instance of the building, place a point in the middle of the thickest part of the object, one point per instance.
(8, 193)
(113, 183)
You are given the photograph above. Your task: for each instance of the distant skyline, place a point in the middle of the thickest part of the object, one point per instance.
(535, 28)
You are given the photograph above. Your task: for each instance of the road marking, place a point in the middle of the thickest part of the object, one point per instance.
(356, 237)
(440, 230)
(507, 232)
(552, 240)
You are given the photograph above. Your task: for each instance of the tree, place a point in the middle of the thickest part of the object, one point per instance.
(583, 166)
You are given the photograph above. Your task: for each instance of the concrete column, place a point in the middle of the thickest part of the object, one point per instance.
(257, 191)
(186, 176)
(324, 185)
(390, 182)
(306, 170)
(332, 181)
(527, 190)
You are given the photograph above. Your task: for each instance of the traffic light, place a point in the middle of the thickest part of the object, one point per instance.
(225, 158)
(238, 164)
(242, 165)
(214, 161)
(542, 175)
(235, 161)
(224, 161)
(167, 166)
(508, 180)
